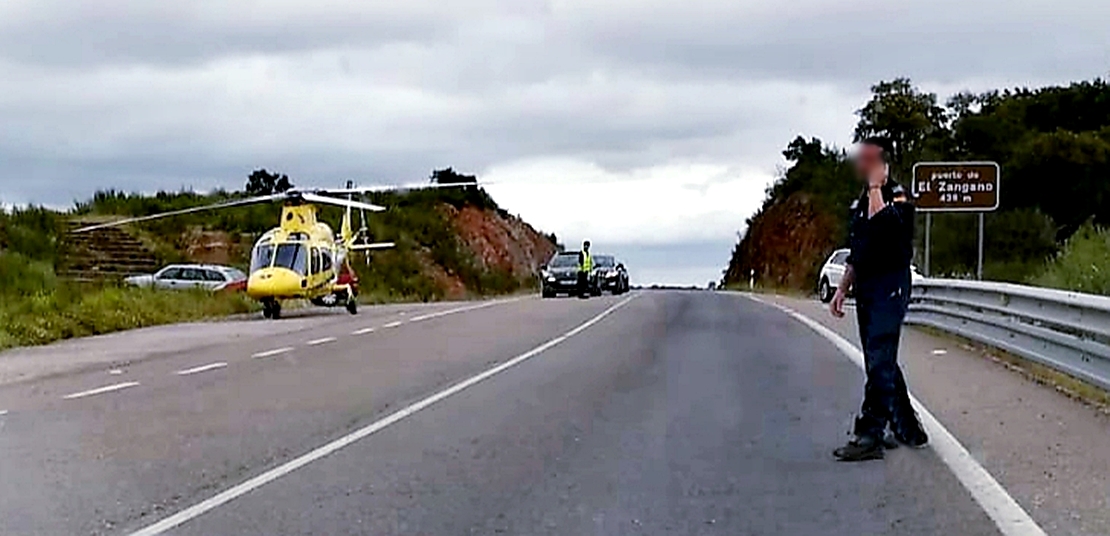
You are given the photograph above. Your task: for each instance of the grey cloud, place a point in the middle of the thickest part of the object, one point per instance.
(859, 42)
(76, 34)
(135, 94)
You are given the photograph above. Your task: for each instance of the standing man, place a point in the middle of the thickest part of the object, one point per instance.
(585, 266)
(878, 268)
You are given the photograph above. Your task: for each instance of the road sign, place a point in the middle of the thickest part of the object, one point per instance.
(955, 186)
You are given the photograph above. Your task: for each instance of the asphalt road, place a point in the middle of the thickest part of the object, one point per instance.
(652, 413)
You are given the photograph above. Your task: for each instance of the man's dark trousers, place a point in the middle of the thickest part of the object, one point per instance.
(880, 310)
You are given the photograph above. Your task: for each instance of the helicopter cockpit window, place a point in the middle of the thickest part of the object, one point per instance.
(293, 257)
(263, 254)
(325, 260)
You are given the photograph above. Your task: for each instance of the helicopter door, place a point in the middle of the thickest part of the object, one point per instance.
(314, 265)
(325, 261)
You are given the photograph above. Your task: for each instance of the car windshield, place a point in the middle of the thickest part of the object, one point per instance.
(235, 274)
(262, 257)
(604, 261)
(565, 261)
(293, 257)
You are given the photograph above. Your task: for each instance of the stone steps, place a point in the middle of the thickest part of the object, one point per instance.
(108, 253)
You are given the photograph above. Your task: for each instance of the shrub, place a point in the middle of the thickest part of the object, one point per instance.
(21, 276)
(1082, 265)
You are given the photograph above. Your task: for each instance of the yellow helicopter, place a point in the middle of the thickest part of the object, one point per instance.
(301, 258)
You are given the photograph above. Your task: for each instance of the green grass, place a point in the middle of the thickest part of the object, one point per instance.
(46, 317)
(37, 308)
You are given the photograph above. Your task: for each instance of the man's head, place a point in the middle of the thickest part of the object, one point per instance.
(586, 245)
(871, 155)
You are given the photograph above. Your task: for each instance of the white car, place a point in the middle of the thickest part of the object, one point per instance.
(188, 276)
(833, 271)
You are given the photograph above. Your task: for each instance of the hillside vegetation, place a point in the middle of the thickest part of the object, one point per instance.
(451, 244)
(1053, 145)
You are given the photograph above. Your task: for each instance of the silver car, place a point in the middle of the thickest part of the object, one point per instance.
(831, 274)
(833, 271)
(189, 276)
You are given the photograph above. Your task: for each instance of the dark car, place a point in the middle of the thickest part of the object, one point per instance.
(560, 275)
(609, 274)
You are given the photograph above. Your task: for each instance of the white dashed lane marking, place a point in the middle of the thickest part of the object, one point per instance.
(271, 353)
(284, 469)
(324, 340)
(3, 412)
(202, 368)
(430, 316)
(392, 325)
(100, 390)
(362, 331)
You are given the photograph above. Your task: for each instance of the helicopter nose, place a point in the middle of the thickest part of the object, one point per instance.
(273, 283)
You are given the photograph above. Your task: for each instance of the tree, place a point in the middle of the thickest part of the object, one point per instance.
(262, 182)
(450, 176)
(803, 218)
(909, 117)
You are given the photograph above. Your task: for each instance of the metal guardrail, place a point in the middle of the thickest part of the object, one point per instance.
(1068, 331)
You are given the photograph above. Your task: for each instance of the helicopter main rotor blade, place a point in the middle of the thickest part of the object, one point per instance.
(398, 187)
(376, 245)
(313, 198)
(202, 208)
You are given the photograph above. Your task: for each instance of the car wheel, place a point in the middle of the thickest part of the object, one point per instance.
(547, 293)
(824, 291)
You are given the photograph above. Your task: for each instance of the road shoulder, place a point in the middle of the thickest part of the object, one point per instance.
(1046, 449)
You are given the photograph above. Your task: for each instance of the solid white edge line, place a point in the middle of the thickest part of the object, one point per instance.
(100, 390)
(323, 340)
(202, 368)
(305, 459)
(1010, 518)
(271, 353)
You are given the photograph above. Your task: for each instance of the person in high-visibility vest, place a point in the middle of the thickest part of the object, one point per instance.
(585, 266)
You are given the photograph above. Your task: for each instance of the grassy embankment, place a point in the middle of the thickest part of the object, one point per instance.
(37, 307)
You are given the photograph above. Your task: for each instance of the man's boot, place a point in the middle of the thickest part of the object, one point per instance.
(908, 430)
(860, 448)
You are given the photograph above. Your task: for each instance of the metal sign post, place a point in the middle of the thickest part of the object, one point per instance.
(955, 187)
(979, 270)
(928, 240)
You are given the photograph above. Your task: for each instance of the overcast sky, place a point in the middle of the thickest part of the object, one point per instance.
(651, 127)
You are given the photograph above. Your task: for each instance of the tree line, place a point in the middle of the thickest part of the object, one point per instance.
(1053, 146)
